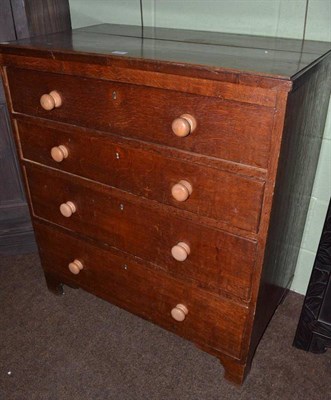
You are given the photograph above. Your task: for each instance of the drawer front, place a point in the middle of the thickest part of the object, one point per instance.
(213, 321)
(223, 196)
(216, 260)
(229, 130)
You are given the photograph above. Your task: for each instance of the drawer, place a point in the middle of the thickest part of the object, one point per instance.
(213, 321)
(226, 197)
(229, 130)
(216, 260)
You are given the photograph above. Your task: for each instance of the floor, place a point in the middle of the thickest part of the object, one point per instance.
(77, 346)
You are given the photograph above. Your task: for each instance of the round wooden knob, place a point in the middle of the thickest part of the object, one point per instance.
(51, 100)
(180, 251)
(67, 209)
(59, 153)
(181, 191)
(75, 267)
(179, 312)
(184, 125)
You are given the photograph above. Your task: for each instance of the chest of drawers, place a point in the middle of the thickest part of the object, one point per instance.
(170, 174)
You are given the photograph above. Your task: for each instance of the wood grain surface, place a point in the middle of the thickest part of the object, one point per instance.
(227, 130)
(255, 56)
(151, 294)
(216, 194)
(218, 261)
(301, 141)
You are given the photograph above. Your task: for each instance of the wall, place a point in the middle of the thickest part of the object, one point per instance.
(283, 18)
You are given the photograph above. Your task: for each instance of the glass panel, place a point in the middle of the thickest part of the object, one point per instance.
(254, 17)
(279, 18)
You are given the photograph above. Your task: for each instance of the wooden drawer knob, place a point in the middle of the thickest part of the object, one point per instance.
(179, 312)
(75, 267)
(184, 125)
(51, 100)
(180, 251)
(67, 209)
(59, 153)
(181, 191)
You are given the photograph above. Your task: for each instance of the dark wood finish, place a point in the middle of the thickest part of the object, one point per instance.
(13, 193)
(96, 156)
(16, 234)
(147, 114)
(260, 113)
(15, 226)
(251, 91)
(54, 285)
(302, 135)
(7, 27)
(152, 148)
(86, 44)
(151, 294)
(314, 327)
(19, 19)
(38, 17)
(217, 261)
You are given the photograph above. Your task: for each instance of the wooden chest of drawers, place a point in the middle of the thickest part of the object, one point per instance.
(170, 174)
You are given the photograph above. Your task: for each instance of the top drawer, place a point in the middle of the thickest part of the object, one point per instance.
(230, 130)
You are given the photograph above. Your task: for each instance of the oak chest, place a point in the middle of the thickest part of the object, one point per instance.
(169, 172)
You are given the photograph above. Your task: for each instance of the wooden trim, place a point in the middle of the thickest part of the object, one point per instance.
(279, 120)
(166, 151)
(240, 89)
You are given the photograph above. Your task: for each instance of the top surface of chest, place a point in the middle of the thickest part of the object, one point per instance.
(109, 43)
